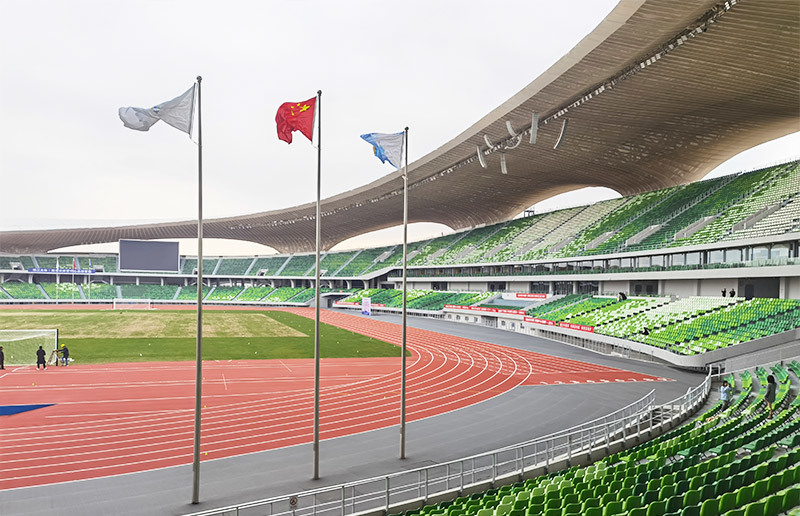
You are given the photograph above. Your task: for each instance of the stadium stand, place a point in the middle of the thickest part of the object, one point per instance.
(282, 294)
(209, 264)
(164, 292)
(271, 264)
(556, 304)
(233, 266)
(109, 263)
(19, 290)
(465, 245)
(363, 262)
(189, 293)
(99, 291)
(224, 293)
(733, 462)
(332, 262)
(254, 293)
(299, 265)
(53, 262)
(62, 290)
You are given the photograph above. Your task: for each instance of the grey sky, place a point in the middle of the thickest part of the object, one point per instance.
(65, 68)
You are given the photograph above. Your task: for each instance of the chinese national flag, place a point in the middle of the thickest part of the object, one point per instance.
(296, 116)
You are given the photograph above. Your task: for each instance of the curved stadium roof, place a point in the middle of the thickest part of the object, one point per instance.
(660, 93)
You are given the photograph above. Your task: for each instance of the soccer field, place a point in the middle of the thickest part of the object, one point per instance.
(136, 336)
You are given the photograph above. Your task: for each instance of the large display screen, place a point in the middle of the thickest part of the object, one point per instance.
(147, 255)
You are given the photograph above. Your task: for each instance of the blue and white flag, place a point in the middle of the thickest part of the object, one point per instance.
(387, 147)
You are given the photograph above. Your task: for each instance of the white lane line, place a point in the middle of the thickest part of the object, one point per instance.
(224, 382)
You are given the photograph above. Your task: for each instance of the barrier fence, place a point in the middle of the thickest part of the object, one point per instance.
(381, 494)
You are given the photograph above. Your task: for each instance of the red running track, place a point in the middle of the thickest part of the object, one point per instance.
(122, 418)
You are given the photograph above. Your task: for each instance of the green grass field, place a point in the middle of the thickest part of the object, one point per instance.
(106, 336)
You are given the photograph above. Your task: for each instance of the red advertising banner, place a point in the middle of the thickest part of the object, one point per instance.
(579, 327)
(531, 296)
(569, 326)
(487, 309)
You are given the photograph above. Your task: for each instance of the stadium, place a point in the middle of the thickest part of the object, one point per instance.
(561, 362)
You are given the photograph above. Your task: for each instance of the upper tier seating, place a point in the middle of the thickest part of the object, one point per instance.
(232, 266)
(299, 265)
(109, 263)
(272, 264)
(363, 262)
(209, 264)
(332, 262)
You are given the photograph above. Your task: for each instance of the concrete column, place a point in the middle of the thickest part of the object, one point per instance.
(137, 280)
(783, 292)
(550, 288)
(574, 287)
(661, 287)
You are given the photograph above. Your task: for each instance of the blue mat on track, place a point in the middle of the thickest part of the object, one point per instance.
(10, 410)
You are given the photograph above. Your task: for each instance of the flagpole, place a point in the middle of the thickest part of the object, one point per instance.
(317, 288)
(199, 352)
(405, 289)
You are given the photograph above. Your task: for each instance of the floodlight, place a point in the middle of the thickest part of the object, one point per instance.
(534, 127)
(510, 128)
(561, 136)
(503, 167)
(481, 158)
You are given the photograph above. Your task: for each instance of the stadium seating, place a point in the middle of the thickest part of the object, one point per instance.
(282, 294)
(299, 265)
(254, 293)
(437, 245)
(272, 264)
(332, 262)
(62, 290)
(233, 266)
(365, 261)
(543, 309)
(733, 462)
(418, 299)
(164, 292)
(189, 293)
(99, 291)
(109, 263)
(784, 184)
(18, 290)
(224, 293)
(209, 264)
(464, 245)
(56, 262)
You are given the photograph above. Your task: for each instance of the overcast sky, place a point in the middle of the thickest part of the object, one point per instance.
(66, 67)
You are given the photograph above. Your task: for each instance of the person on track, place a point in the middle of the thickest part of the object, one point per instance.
(2, 358)
(64, 354)
(40, 358)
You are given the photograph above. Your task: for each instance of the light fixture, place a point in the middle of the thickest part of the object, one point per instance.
(561, 136)
(503, 167)
(481, 158)
(534, 127)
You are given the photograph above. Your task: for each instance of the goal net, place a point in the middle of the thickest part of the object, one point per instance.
(132, 304)
(19, 346)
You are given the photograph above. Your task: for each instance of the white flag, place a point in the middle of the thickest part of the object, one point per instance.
(387, 147)
(177, 112)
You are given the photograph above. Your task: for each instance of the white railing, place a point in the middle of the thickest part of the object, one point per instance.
(417, 486)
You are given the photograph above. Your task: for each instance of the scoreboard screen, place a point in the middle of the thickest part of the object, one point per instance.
(148, 255)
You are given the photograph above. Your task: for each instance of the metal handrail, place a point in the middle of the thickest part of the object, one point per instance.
(381, 493)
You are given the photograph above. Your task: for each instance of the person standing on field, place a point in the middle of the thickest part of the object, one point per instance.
(2, 358)
(40, 358)
(65, 354)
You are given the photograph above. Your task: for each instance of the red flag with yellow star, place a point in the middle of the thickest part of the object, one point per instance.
(296, 116)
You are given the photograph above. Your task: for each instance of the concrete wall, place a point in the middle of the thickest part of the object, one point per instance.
(793, 288)
(614, 286)
(681, 288)
(713, 287)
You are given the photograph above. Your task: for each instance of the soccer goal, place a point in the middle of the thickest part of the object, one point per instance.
(19, 346)
(132, 304)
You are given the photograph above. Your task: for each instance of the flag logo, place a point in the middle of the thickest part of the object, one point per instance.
(296, 116)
